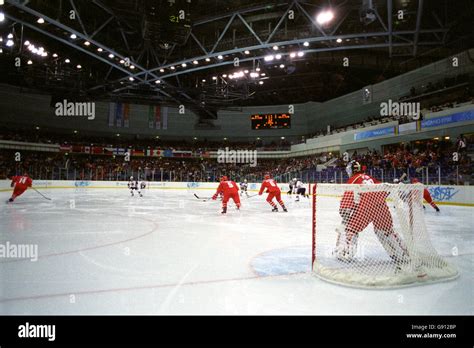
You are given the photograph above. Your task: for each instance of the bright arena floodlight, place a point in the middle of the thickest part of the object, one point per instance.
(324, 17)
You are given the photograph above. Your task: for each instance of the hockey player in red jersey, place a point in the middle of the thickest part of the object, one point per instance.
(20, 184)
(273, 192)
(230, 190)
(358, 211)
(426, 195)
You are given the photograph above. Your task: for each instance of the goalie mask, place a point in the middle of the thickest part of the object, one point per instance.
(353, 167)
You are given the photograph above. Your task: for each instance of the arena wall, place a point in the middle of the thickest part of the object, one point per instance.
(442, 194)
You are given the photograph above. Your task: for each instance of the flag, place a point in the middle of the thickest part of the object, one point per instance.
(153, 152)
(138, 153)
(168, 153)
(108, 151)
(111, 114)
(119, 151)
(126, 115)
(97, 150)
(165, 118)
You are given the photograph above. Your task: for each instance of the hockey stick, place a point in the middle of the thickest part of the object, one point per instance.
(49, 199)
(252, 195)
(204, 199)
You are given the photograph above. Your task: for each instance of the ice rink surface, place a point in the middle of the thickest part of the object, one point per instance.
(104, 252)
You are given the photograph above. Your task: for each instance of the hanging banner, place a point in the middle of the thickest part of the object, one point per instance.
(111, 114)
(165, 117)
(119, 115)
(151, 118)
(157, 117)
(126, 115)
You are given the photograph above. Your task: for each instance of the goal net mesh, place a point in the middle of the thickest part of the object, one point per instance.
(374, 236)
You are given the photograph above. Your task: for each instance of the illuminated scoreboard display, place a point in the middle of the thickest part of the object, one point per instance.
(271, 121)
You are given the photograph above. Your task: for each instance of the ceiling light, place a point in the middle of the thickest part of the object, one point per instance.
(131, 79)
(258, 69)
(99, 49)
(263, 74)
(158, 81)
(87, 43)
(195, 62)
(220, 57)
(260, 82)
(300, 54)
(122, 61)
(2, 16)
(40, 21)
(73, 36)
(184, 65)
(27, 43)
(247, 52)
(208, 59)
(79, 66)
(10, 43)
(246, 71)
(214, 77)
(111, 56)
(278, 56)
(29, 62)
(306, 44)
(275, 48)
(253, 75)
(132, 67)
(162, 70)
(67, 61)
(10, 36)
(282, 66)
(172, 67)
(203, 80)
(324, 17)
(55, 55)
(269, 58)
(224, 76)
(44, 54)
(339, 40)
(292, 55)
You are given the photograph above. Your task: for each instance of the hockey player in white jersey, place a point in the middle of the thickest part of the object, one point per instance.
(244, 187)
(300, 190)
(134, 186)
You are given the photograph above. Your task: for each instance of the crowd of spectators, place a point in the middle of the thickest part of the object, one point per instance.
(413, 157)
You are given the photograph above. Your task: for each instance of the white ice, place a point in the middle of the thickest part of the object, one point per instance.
(104, 252)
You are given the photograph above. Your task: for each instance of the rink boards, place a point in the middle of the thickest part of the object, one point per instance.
(442, 194)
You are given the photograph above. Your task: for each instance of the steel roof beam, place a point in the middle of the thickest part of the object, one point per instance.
(418, 25)
(286, 43)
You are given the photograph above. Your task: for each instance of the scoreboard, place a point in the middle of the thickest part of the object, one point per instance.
(271, 121)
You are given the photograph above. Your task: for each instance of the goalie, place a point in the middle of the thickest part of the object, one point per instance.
(358, 211)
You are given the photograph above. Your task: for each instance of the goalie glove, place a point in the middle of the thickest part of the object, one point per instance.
(214, 197)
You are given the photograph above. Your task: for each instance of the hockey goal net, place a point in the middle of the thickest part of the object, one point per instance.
(373, 236)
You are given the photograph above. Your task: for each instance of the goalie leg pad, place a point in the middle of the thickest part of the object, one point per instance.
(393, 245)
